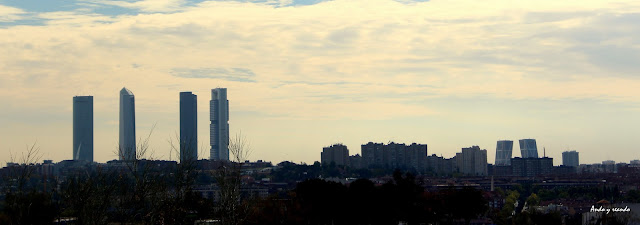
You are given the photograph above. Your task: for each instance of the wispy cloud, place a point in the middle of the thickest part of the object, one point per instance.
(148, 6)
(9, 14)
(232, 74)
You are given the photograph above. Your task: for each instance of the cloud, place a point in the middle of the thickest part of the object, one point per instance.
(232, 74)
(9, 14)
(146, 6)
(344, 47)
(349, 60)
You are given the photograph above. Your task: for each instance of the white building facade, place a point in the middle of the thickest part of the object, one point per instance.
(219, 127)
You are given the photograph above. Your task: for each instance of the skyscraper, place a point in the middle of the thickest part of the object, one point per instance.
(473, 161)
(570, 158)
(528, 148)
(373, 154)
(219, 128)
(338, 154)
(83, 128)
(504, 149)
(188, 127)
(127, 145)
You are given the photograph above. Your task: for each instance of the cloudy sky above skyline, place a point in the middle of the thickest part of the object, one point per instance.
(304, 74)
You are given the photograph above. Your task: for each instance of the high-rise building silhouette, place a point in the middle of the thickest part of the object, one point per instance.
(528, 148)
(188, 127)
(532, 166)
(83, 128)
(504, 150)
(570, 158)
(373, 154)
(338, 154)
(472, 161)
(219, 127)
(127, 144)
(394, 155)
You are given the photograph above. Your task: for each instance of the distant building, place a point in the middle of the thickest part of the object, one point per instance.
(219, 128)
(188, 127)
(472, 161)
(394, 155)
(439, 165)
(397, 155)
(528, 148)
(337, 153)
(373, 154)
(83, 128)
(127, 146)
(502, 171)
(531, 167)
(355, 161)
(504, 150)
(560, 170)
(416, 156)
(591, 168)
(570, 158)
(609, 166)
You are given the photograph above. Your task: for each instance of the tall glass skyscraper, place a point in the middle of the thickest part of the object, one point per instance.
(503, 153)
(83, 128)
(188, 127)
(528, 148)
(219, 128)
(127, 145)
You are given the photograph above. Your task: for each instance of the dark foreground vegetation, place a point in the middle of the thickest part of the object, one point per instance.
(144, 195)
(317, 201)
(162, 192)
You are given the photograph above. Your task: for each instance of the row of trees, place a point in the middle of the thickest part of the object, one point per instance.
(134, 192)
(298, 172)
(317, 201)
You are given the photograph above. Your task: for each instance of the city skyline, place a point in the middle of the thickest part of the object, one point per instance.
(188, 104)
(83, 120)
(303, 75)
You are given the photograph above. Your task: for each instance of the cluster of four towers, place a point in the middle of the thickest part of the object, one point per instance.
(219, 126)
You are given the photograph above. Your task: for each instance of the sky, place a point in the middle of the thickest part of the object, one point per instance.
(305, 74)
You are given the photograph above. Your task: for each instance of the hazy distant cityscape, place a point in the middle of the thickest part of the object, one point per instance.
(514, 190)
(471, 161)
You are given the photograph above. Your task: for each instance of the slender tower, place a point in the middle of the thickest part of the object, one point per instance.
(219, 128)
(127, 146)
(83, 128)
(188, 127)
